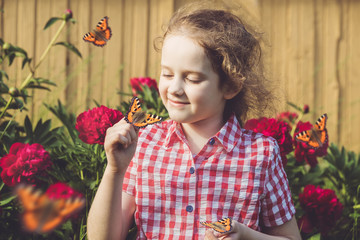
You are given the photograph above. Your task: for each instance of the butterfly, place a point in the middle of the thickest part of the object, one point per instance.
(100, 35)
(42, 214)
(317, 136)
(139, 118)
(221, 226)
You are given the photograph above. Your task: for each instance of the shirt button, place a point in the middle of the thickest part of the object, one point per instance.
(212, 141)
(189, 208)
(192, 170)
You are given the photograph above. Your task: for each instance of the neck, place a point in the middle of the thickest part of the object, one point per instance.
(198, 133)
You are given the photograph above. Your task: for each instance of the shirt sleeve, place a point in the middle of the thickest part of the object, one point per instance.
(276, 206)
(129, 182)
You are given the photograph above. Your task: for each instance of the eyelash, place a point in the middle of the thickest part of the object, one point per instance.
(168, 76)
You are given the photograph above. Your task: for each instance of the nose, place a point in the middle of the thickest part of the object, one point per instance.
(176, 86)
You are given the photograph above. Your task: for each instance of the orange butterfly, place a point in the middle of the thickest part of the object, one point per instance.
(221, 226)
(42, 214)
(100, 35)
(140, 118)
(317, 136)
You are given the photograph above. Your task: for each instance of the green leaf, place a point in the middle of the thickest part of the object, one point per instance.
(28, 128)
(51, 21)
(7, 200)
(3, 73)
(70, 47)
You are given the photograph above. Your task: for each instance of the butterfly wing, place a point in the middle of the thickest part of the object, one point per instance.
(89, 37)
(134, 108)
(101, 34)
(103, 27)
(62, 209)
(42, 214)
(222, 226)
(150, 119)
(317, 136)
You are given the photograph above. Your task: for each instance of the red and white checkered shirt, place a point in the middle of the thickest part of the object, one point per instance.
(237, 174)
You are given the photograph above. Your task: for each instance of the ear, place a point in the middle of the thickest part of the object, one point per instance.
(231, 92)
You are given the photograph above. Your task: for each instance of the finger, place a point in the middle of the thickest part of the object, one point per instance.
(209, 235)
(134, 133)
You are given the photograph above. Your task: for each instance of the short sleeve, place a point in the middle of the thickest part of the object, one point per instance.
(276, 206)
(129, 182)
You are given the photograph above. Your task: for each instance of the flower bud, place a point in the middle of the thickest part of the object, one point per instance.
(306, 109)
(67, 15)
(14, 92)
(6, 46)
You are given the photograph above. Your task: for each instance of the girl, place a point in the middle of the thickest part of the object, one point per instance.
(200, 165)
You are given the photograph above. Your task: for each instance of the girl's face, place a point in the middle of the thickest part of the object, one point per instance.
(189, 87)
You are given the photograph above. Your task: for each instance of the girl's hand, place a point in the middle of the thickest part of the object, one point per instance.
(234, 234)
(120, 145)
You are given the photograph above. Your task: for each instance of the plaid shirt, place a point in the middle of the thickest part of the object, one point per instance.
(237, 174)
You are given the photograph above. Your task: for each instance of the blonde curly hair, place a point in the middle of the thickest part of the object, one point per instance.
(235, 55)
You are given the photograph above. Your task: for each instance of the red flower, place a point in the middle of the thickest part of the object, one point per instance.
(303, 151)
(279, 130)
(92, 124)
(23, 163)
(136, 84)
(61, 190)
(322, 209)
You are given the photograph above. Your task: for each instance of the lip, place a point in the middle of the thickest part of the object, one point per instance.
(177, 103)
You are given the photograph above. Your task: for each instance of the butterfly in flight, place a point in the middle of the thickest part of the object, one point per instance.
(100, 35)
(139, 118)
(42, 214)
(222, 226)
(317, 136)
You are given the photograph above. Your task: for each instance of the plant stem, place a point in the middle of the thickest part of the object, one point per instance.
(31, 74)
(57, 34)
(6, 107)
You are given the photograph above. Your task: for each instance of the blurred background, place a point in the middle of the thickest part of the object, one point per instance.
(311, 50)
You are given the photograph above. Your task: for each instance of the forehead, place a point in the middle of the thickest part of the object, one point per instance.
(183, 51)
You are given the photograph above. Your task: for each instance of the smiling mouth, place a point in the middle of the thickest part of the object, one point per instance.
(177, 102)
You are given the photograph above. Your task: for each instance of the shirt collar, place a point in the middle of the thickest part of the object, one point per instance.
(228, 135)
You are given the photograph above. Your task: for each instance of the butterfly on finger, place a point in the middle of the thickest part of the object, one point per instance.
(42, 214)
(317, 136)
(100, 35)
(222, 226)
(139, 118)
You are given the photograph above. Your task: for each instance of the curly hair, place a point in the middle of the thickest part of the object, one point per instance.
(235, 55)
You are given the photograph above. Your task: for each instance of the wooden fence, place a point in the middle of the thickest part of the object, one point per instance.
(312, 49)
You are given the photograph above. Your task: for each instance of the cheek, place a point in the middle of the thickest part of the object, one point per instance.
(162, 89)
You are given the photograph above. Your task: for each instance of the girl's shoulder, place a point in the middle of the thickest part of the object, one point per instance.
(250, 137)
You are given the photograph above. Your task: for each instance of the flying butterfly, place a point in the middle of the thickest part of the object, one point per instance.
(42, 214)
(139, 118)
(222, 226)
(100, 35)
(317, 136)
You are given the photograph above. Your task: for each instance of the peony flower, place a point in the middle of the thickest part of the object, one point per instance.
(279, 130)
(62, 190)
(23, 163)
(322, 209)
(305, 152)
(136, 84)
(92, 124)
